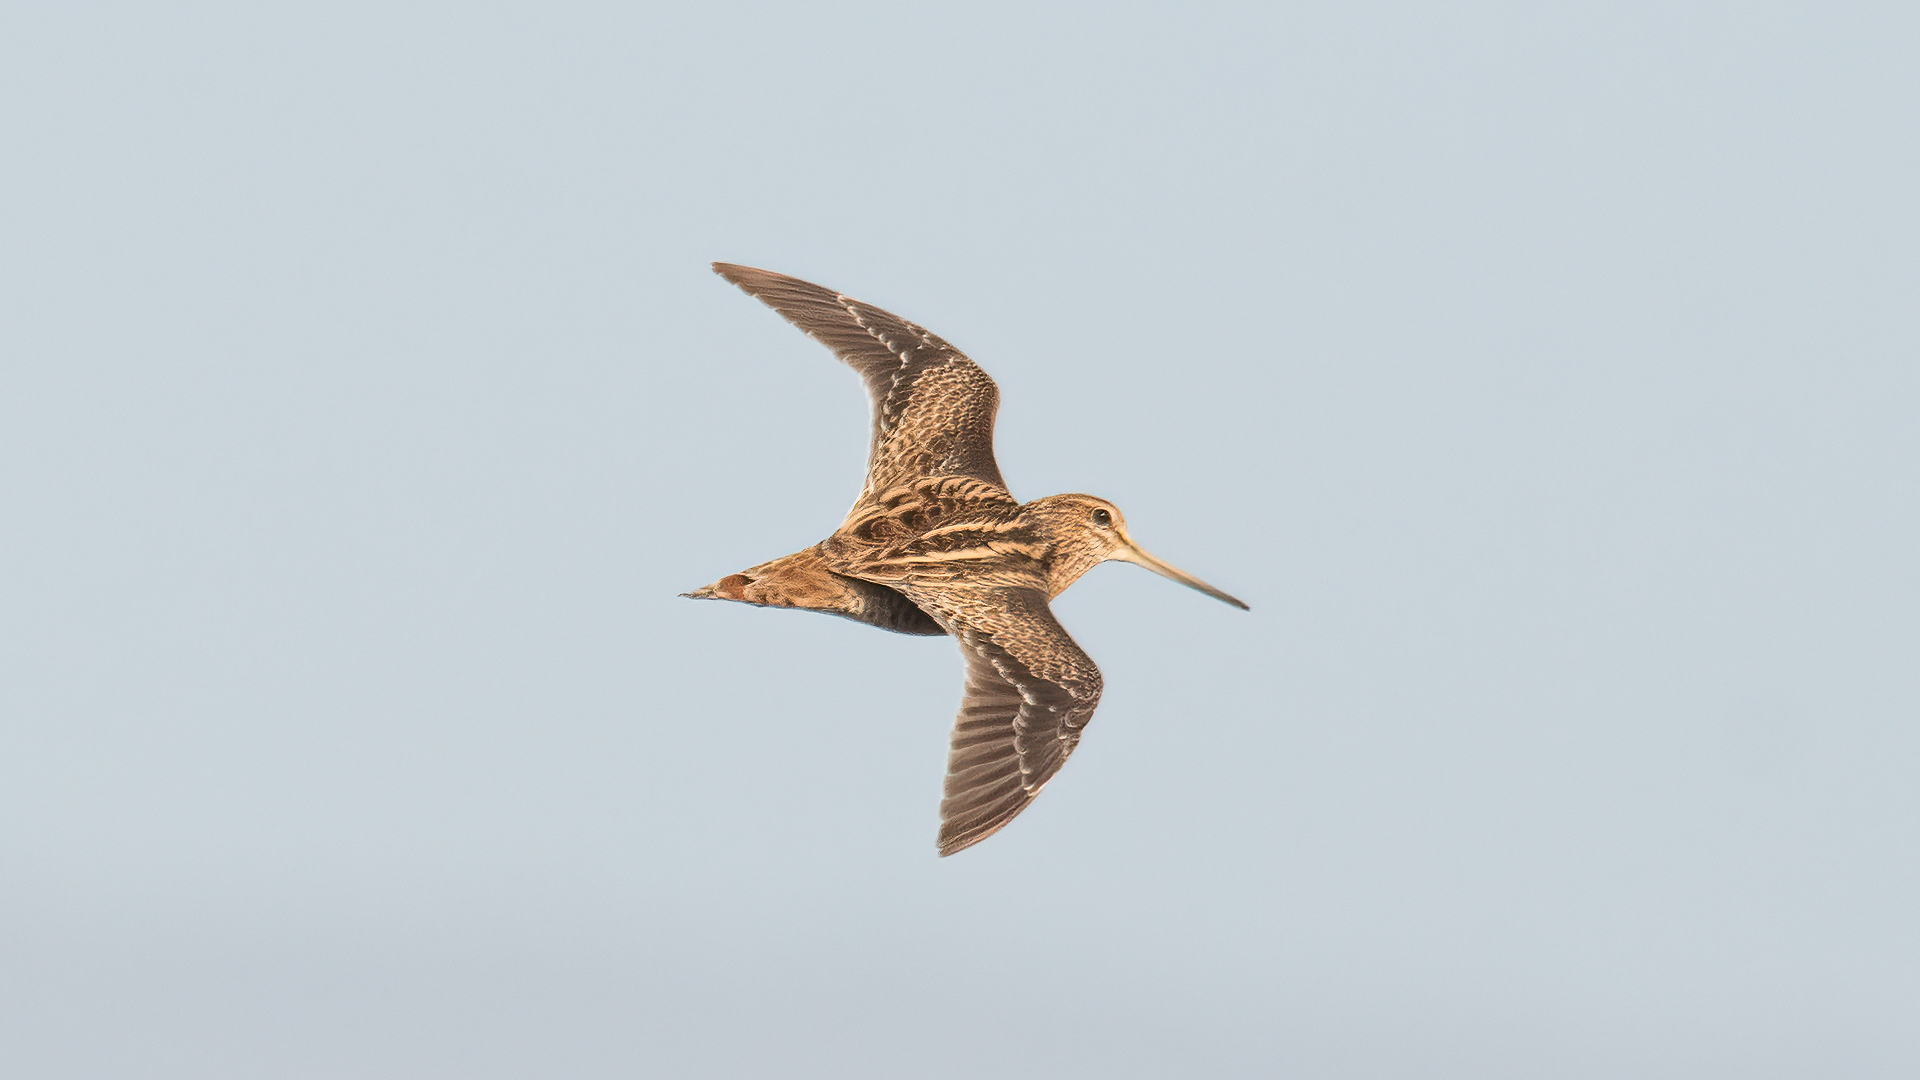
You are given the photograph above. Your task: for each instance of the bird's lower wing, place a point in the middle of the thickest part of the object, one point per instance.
(1030, 692)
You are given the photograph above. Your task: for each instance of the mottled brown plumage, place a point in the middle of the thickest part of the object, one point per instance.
(936, 545)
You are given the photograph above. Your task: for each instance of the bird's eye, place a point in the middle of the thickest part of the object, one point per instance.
(1102, 518)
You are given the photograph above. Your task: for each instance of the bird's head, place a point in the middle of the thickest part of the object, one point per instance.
(1088, 531)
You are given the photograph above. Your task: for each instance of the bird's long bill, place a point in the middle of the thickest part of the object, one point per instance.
(1134, 553)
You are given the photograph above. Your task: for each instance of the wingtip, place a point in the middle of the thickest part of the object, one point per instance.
(953, 845)
(757, 282)
(953, 840)
(740, 273)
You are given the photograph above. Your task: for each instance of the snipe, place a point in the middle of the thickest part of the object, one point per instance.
(935, 545)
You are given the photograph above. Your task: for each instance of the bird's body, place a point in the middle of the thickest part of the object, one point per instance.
(936, 545)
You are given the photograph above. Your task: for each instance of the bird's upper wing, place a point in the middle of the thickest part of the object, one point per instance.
(932, 407)
(1030, 692)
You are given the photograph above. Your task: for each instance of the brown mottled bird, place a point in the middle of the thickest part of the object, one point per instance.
(935, 545)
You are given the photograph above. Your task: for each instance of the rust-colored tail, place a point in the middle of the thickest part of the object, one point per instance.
(802, 581)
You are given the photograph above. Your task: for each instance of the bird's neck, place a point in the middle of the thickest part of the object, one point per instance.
(1067, 563)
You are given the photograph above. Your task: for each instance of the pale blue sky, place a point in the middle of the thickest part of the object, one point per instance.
(1545, 379)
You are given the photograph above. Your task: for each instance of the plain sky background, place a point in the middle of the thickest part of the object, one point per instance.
(1545, 376)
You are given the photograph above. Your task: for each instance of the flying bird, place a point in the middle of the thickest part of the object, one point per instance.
(936, 545)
